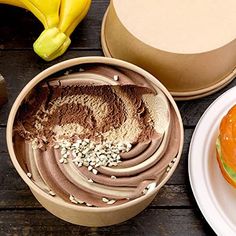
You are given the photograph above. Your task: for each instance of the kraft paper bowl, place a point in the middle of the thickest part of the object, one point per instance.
(87, 216)
(205, 62)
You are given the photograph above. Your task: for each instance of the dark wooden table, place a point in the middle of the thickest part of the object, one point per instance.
(173, 212)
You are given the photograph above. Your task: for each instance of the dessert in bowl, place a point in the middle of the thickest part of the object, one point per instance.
(95, 139)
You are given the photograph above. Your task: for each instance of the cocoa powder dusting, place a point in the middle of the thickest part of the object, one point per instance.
(91, 111)
(145, 122)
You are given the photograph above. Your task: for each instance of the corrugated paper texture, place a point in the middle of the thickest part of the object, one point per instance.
(3, 91)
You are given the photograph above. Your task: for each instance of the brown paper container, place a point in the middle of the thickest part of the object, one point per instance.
(189, 47)
(3, 91)
(87, 216)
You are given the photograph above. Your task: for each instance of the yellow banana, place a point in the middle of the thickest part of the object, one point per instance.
(59, 18)
(54, 42)
(15, 3)
(51, 44)
(47, 11)
(71, 14)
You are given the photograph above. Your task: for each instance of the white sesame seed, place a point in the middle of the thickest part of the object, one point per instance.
(85, 163)
(72, 199)
(65, 156)
(79, 141)
(105, 200)
(113, 155)
(120, 148)
(88, 153)
(111, 202)
(85, 151)
(79, 155)
(89, 205)
(61, 160)
(84, 143)
(63, 151)
(168, 169)
(90, 180)
(113, 177)
(151, 187)
(56, 146)
(29, 175)
(145, 191)
(113, 163)
(116, 77)
(52, 193)
(171, 164)
(103, 157)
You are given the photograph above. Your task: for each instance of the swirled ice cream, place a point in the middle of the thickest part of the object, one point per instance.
(102, 136)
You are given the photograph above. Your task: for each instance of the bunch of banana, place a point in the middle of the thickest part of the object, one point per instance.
(59, 18)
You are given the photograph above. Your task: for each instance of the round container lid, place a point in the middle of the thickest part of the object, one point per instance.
(180, 26)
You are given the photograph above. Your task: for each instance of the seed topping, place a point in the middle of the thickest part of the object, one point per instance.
(116, 77)
(92, 155)
(29, 175)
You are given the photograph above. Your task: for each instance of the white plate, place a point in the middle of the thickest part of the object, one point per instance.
(215, 197)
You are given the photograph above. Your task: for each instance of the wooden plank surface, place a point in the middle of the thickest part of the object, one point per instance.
(174, 210)
(150, 222)
(20, 197)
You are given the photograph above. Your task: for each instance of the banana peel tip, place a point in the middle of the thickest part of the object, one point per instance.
(51, 44)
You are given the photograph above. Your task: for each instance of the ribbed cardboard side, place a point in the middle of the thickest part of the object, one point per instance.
(3, 91)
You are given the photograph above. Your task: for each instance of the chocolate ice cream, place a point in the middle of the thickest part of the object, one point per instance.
(99, 137)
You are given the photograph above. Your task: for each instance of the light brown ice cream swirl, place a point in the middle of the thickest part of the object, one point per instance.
(102, 104)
